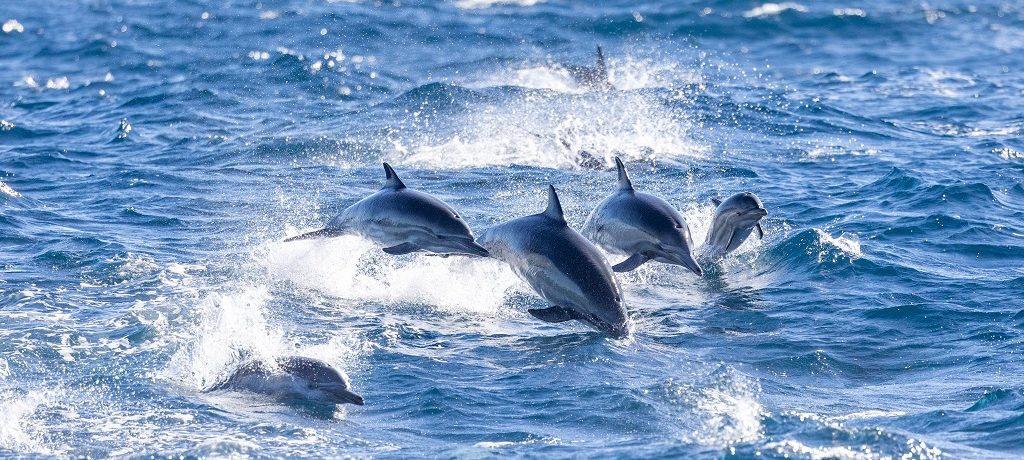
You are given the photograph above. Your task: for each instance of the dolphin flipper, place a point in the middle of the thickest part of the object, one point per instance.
(631, 263)
(554, 314)
(760, 231)
(322, 233)
(404, 248)
(716, 201)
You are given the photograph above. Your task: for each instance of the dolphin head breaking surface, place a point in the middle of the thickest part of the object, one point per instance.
(642, 227)
(734, 220)
(292, 377)
(562, 267)
(403, 220)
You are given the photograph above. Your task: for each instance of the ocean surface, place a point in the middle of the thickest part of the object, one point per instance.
(154, 155)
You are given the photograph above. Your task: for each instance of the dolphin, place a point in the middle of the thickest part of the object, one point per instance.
(403, 220)
(595, 77)
(560, 265)
(292, 377)
(735, 218)
(641, 226)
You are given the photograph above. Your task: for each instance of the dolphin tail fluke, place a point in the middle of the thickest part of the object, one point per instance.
(601, 70)
(554, 314)
(631, 263)
(624, 182)
(322, 233)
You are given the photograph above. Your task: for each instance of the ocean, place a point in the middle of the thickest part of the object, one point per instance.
(154, 156)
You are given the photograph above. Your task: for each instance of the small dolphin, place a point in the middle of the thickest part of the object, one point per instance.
(734, 219)
(564, 268)
(293, 377)
(403, 220)
(595, 77)
(641, 226)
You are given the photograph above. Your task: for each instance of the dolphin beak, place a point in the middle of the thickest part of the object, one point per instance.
(341, 395)
(690, 262)
(475, 249)
(759, 212)
(618, 331)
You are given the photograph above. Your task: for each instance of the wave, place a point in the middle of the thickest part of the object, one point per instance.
(507, 126)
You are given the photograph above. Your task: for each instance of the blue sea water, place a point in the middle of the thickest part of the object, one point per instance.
(154, 155)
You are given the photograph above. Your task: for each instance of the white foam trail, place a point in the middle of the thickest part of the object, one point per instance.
(17, 427)
(847, 243)
(625, 74)
(551, 130)
(230, 326)
(719, 412)
(351, 268)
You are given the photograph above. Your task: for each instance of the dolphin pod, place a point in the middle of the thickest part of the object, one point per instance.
(293, 378)
(562, 266)
(642, 227)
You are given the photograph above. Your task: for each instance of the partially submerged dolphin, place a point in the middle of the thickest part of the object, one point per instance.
(403, 220)
(564, 268)
(595, 77)
(735, 218)
(641, 226)
(294, 378)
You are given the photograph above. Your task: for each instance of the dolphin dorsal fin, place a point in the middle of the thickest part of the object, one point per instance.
(624, 182)
(392, 178)
(600, 65)
(554, 210)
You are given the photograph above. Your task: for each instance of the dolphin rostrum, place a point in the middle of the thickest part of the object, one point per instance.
(640, 226)
(403, 220)
(292, 377)
(735, 218)
(560, 265)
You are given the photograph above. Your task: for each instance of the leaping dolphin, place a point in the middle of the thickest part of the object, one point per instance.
(292, 377)
(641, 226)
(563, 268)
(403, 220)
(735, 218)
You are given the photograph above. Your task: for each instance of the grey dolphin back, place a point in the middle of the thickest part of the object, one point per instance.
(624, 182)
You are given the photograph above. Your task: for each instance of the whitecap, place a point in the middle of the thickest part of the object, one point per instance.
(774, 9)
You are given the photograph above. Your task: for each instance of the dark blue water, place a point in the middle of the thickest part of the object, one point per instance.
(153, 155)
